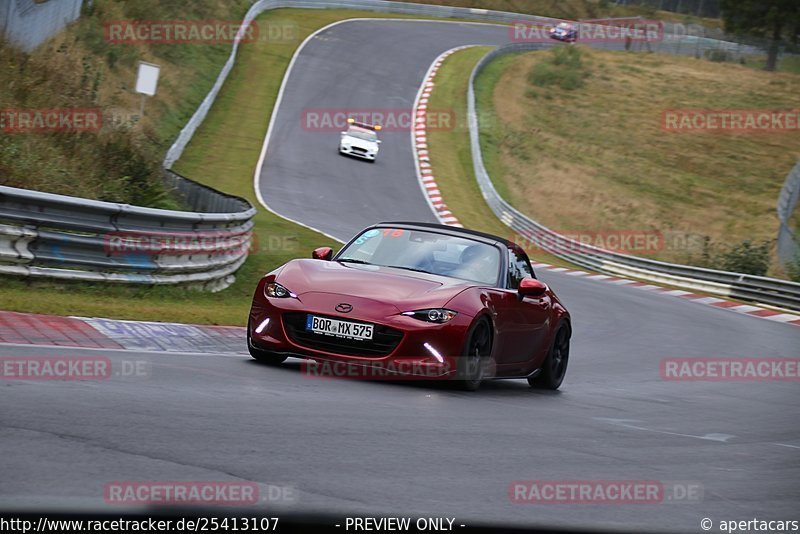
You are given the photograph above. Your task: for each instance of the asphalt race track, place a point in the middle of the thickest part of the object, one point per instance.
(303, 177)
(355, 447)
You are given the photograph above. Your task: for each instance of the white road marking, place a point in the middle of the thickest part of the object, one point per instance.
(628, 423)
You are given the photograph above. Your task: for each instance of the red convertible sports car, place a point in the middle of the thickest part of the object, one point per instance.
(415, 300)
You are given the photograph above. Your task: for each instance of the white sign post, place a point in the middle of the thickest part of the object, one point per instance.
(146, 81)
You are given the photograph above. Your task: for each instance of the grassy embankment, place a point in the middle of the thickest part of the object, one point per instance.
(596, 157)
(223, 154)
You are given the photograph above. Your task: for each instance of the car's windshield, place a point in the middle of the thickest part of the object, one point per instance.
(424, 251)
(365, 135)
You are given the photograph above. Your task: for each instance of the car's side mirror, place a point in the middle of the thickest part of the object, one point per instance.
(344, 133)
(378, 141)
(531, 287)
(322, 253)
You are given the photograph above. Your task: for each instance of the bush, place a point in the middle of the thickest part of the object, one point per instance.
(793, 269)
(564, 69)
(746, 257)
(718, 55)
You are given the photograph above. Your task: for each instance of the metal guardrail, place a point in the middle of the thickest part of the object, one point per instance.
(63, 237)
(27, 23)
(769, 291)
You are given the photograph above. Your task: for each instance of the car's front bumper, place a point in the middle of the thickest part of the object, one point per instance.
(357, 153)
(425, 351)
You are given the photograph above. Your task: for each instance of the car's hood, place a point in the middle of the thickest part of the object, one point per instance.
(361, 143)
(403, 289)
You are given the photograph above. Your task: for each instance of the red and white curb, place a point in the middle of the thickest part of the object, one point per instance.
(434, 196)
(419, 140)
(110, 334)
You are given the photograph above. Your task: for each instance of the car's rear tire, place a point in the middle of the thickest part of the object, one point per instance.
(554, 367)
(264, 356)
(477, 351)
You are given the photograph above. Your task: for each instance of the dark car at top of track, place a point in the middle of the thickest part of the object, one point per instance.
(421, 300)
(564, 32)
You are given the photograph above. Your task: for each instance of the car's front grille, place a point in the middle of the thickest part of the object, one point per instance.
(359, 149)
(384, 339)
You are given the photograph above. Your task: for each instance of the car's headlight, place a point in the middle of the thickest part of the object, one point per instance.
(277, 291)
(432, 315)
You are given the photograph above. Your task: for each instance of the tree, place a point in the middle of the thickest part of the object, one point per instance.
(776, 20)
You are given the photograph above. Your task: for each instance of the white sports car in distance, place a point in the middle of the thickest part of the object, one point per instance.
(360, 140)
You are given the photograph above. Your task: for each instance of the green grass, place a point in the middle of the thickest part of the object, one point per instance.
(597, 157)
(491, 137)
(563, 69)
(786, 63)
(78, 68)
(450, 149)
(451, 155)
(223, 154)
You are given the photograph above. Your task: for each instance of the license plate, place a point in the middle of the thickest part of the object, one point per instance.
(334, 327)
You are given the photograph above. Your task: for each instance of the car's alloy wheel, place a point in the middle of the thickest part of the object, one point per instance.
(476, 355)
(555, 365)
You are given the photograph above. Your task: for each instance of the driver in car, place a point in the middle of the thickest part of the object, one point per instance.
(478, 263)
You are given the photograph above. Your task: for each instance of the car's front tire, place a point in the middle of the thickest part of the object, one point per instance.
(477, 351)
(263, 356)
(555, 365)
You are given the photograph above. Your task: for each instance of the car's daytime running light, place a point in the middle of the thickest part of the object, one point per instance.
(434, 352)
(262, 326)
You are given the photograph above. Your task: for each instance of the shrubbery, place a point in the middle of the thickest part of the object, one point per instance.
(747, 257)
(564, 68)
(81, 69)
